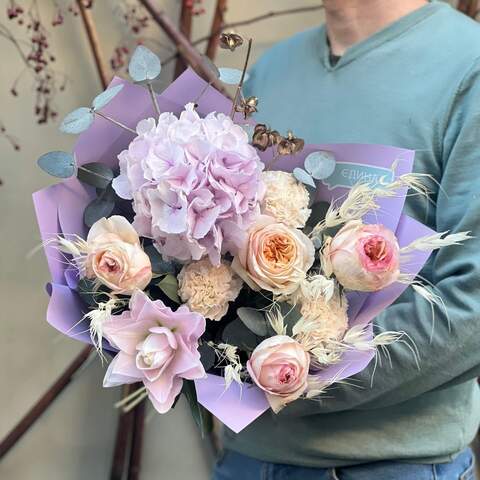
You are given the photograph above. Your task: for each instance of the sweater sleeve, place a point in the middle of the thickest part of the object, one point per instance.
(453, 354)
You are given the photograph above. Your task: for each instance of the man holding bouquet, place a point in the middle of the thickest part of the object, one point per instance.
(403, 73)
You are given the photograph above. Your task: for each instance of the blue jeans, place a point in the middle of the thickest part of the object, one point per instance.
(234, 466)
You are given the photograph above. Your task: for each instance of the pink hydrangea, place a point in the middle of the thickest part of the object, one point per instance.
(193, 182)
(157, 346)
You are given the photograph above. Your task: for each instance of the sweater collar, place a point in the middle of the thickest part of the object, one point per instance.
(391, 32)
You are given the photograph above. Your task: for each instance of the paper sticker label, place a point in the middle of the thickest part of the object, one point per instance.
(347, 174)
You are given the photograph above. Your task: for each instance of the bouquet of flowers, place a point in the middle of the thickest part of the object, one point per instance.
(206, 255)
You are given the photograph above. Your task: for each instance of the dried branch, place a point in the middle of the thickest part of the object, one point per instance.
(186, 29)
(94, 42)
(468, 7)
(44, 402)
(217, 26)
(249, 21)
(185, 49)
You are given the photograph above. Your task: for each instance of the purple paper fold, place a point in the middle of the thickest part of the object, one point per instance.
(236, 406)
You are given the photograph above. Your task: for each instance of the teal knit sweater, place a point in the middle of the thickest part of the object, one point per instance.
(415, 84)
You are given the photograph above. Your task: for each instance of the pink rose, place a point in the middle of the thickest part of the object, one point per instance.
(363, 257)
(115, 256)
(157, 346)
(279, 366)
(275, 257)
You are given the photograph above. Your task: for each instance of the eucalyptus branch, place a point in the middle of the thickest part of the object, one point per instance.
(154, 98)
(116, 122)
(249, 21)
(189, 54)
(242, 78)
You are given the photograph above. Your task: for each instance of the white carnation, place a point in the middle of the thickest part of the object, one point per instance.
(285, 199)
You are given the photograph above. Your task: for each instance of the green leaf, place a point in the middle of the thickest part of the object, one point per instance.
(207, 356)
(158, 264)
(201, 416)
(253, 320)
(319, 210)
(89, 293)
(236, 333)
(303, 177)
(291, 315)
(77, 121)
(97, 209)
(320, 164)
(104, 98)
(96, 174)
(144, 65)
(169, 287)
(58, 164)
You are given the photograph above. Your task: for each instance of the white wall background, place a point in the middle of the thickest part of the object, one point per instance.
(74, 439)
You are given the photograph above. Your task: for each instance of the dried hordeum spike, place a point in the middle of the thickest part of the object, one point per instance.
(230, 41)
(247, 106)
(290, 144)
(263, 137)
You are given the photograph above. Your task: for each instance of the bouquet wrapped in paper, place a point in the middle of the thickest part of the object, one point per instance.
(203, 254)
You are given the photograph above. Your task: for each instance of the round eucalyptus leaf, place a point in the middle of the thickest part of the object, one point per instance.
(159, 265)
(58, 164)
(303, 177)
(169, 287)
(320, 164)
(96, 174)
(236, 333)
(97, 209)
(231, 76)
(144, 65)
(77, 121)
(253, 320)
(106, 97)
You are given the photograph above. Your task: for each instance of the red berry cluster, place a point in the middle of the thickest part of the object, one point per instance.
(119, 57)
(14, 11)
(196, 6)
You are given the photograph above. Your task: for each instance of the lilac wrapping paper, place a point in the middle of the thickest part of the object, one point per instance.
(59, 210)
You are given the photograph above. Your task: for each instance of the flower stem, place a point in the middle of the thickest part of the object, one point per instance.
(154, 99)
(130, 397)
(242, 78)
(116, 122)
(92, 172)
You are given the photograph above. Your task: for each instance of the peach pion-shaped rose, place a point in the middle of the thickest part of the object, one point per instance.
(362, 257)
(275, 257)
(157, 346)
(115, 256)
(279, 366)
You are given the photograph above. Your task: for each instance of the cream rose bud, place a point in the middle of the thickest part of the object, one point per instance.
(363, 257)
(207, 289)
(285, 199)
(115, 256)
(274, 257)
(279, 366)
